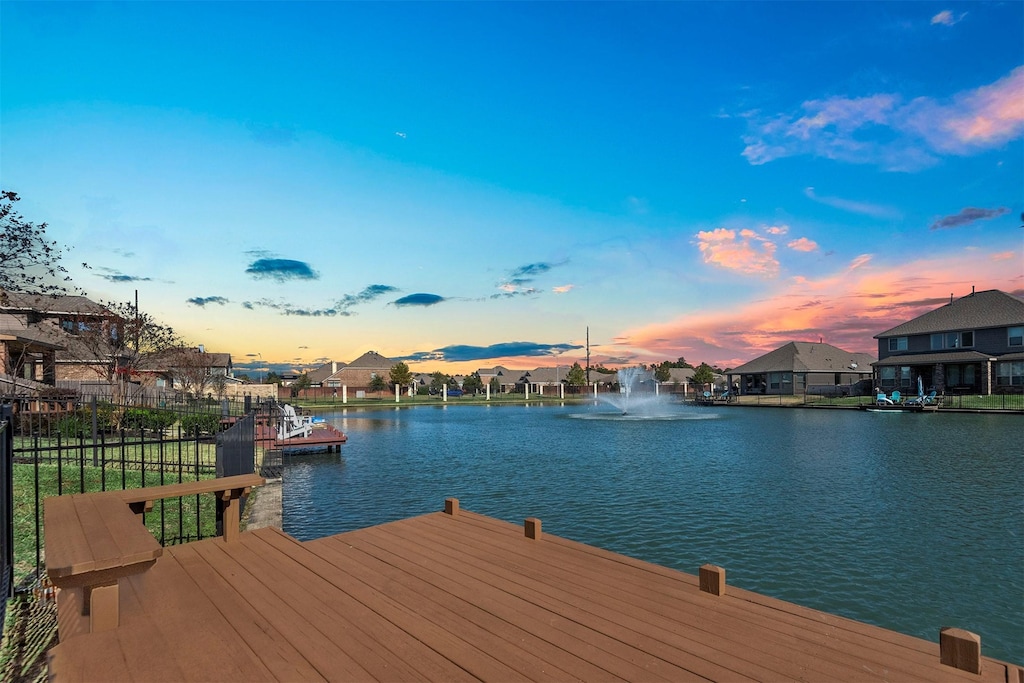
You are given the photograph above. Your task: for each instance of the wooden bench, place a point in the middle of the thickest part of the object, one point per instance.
(229, 491)
(94, 539)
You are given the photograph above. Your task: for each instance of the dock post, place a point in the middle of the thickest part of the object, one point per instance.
(531, 527)
(960, 649)
(712, 579)
(488, 387)
(451, 506)
(398, 392)
(344, 393)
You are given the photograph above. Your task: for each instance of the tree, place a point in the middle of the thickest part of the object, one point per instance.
(495, 386)
(703, 375)
(272, 378)
(377, 383)
(400, 375)
(191, 370)
(577, 376)
(303, 382)
(28, 261)
(437, 382)
(472, 384)
(120, 345)
(662, 372)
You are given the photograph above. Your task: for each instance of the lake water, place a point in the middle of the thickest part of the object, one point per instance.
(911, 522)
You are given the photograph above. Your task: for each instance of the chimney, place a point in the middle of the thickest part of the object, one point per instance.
(202, 349)
(972, 290)
(951, 298)
(334, 366)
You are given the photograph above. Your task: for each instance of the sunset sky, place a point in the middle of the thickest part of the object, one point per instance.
(460, 185)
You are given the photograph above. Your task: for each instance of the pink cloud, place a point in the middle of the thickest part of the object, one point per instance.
(803, 244)
(883, 129)
(846, 308)
(777, 229)
(562, 289)
(746, 253)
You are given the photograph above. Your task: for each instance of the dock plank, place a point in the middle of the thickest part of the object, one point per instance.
(467, 597)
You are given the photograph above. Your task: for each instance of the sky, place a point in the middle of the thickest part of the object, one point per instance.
(462, 185)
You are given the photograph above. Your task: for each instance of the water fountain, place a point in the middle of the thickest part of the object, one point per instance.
(638, 399)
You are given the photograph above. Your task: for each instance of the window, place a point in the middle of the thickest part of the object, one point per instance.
(952, 340)
(887, 377)
(905, 376)
(1010, 374)
(1015, 336)
(897, 343)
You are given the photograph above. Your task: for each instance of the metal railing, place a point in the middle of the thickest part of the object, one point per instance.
(48, 461)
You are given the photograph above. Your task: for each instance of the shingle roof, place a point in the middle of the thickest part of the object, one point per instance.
(807, 357)
(53, 305)
(978, 310)
(371, 360)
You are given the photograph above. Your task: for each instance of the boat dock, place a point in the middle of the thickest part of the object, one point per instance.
(458, 596)
(321, 437)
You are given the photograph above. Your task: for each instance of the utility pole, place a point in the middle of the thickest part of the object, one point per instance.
(588, 354)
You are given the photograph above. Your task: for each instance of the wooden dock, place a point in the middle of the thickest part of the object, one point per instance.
(456, 596)
(323, 437)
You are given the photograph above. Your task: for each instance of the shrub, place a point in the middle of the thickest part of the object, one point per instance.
(149, 418)
(206, 423)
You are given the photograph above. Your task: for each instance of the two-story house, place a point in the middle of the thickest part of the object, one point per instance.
(52, 338)
(974, 344)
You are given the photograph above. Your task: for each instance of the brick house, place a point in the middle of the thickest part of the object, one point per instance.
(41, 337)
(794, 367)
(974, 344)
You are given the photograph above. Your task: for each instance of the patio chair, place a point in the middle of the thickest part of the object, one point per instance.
(896, 397)
(924, 400)
(881, 399)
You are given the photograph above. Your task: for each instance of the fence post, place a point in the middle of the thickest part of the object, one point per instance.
(95, 425)
(6, 507)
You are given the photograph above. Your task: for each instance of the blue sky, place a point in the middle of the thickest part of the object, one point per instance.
(466, 184)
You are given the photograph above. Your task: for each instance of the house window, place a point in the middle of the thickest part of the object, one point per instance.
(887, 376)
(897, 343)
(952, 340)
(960, 375)
(1010, 374)
(905, 376)
(1015, 336)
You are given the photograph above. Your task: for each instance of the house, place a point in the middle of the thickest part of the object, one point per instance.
(54, 338)
(507, 379)
(360, 372)
(797, 367)
(974, 344)
(318, 376)
(187, 369)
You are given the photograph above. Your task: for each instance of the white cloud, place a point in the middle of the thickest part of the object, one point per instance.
(885, 130)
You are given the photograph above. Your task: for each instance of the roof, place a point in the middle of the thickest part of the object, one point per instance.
(808, 357)
(978, 310)
(933, 358)
(324, 371)
(371, 360)
(54, 305)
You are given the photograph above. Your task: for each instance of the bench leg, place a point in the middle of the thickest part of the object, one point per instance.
(101, 603)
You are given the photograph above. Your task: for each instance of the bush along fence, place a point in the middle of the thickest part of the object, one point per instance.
(82, 452)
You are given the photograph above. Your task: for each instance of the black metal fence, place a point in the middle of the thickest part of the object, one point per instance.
(6, 510)
(48, 462)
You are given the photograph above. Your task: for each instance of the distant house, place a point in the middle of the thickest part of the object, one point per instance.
(318, 376)
(507, 379)
(974, 344)
(360, 372)
(795, 367)
(191, 370)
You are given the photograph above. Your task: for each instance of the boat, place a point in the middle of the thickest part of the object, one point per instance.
(893, 408)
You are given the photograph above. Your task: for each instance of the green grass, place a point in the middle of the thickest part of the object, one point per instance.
(26, 513)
